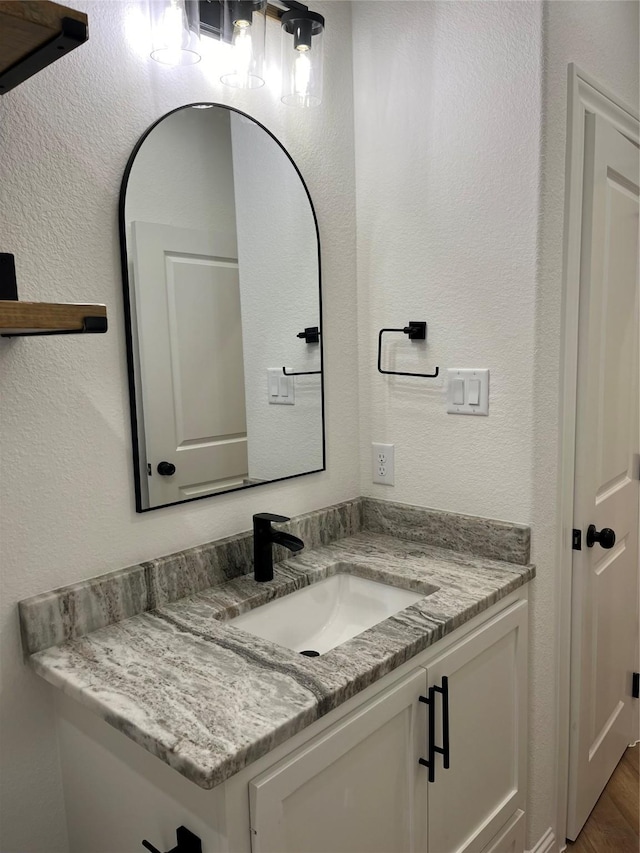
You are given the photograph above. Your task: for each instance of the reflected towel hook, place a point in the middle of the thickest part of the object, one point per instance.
(416, 331)
(311, 335)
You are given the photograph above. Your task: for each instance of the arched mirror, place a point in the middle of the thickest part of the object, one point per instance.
(221, 269)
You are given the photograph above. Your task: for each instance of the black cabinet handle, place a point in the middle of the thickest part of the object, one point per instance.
(445, 721)
(443, 750)
(430, 762)
(187, 842)
(606, 538)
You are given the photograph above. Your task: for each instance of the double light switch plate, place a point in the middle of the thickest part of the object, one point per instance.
(281, 388)
(468, 391)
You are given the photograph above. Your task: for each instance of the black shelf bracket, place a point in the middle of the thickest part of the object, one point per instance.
(73, 34)
(8, 281)
(416, 331)
(90, 325)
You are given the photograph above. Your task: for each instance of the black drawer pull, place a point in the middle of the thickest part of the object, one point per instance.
(443, 750)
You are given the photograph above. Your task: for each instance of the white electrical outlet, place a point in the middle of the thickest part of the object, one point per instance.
(382, 460)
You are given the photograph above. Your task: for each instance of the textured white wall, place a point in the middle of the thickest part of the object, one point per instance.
(447, 109)
(279, 293)
(67, 505)
(603, 39)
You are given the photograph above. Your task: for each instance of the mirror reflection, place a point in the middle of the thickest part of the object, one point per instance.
(222, 287)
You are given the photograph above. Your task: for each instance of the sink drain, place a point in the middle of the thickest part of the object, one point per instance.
(311, 653)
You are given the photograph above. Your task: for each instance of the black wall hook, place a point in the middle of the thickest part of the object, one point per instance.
(416, 331)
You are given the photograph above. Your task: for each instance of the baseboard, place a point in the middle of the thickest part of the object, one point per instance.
(547, 843)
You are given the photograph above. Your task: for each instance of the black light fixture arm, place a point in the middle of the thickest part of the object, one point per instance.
(416, 331)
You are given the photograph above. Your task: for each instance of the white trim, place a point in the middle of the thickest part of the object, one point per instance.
(546, 844)
(585, 95)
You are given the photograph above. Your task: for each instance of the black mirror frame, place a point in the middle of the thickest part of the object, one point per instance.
(129, 328)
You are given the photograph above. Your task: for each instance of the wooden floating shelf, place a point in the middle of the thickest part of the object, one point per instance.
(50, 318)
(33, 34)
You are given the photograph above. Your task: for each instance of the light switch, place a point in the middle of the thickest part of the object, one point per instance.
(473, 397)
(468, 391)
(280, 388)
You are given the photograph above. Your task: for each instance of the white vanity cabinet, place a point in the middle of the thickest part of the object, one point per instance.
(349, 783)
(359, 787)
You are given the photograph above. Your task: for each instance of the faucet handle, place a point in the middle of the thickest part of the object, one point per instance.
(269, 516)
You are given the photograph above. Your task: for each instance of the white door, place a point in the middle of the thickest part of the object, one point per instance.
(605, 581)
(358, 788)
(187, 300)
(483, 788)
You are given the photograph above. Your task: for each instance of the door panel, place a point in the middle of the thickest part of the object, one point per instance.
(605, 582)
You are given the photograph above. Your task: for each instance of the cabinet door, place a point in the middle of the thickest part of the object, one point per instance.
(485, 783)
(357, 788)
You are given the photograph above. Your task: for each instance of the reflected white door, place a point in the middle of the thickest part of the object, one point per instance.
(187, 300)
(605, 581)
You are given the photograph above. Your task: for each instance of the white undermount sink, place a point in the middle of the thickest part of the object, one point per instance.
(325, 614)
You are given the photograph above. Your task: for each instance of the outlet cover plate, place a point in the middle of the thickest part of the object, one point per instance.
(383, 463)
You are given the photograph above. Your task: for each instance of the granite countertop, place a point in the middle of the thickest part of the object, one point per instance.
(208, 698)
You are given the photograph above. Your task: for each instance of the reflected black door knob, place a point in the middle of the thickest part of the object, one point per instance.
(606, 538)
(168, 468)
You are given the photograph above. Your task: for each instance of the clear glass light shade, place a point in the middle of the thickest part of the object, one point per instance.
(175, 31)
(302, 59)
(245, 27)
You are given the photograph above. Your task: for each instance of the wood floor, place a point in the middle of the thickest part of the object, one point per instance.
(613, 824)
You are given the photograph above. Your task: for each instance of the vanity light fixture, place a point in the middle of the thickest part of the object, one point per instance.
(175, 31)
(245, 27)
(302, 57)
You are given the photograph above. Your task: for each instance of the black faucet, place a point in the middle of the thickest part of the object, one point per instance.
(263, 538)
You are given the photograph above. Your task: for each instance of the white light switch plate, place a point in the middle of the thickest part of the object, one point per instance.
(468, 391)
(280, 388)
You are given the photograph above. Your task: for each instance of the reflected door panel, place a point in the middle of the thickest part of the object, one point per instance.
(191, 360)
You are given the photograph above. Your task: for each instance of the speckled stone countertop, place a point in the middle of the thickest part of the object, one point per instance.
(208, 698)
